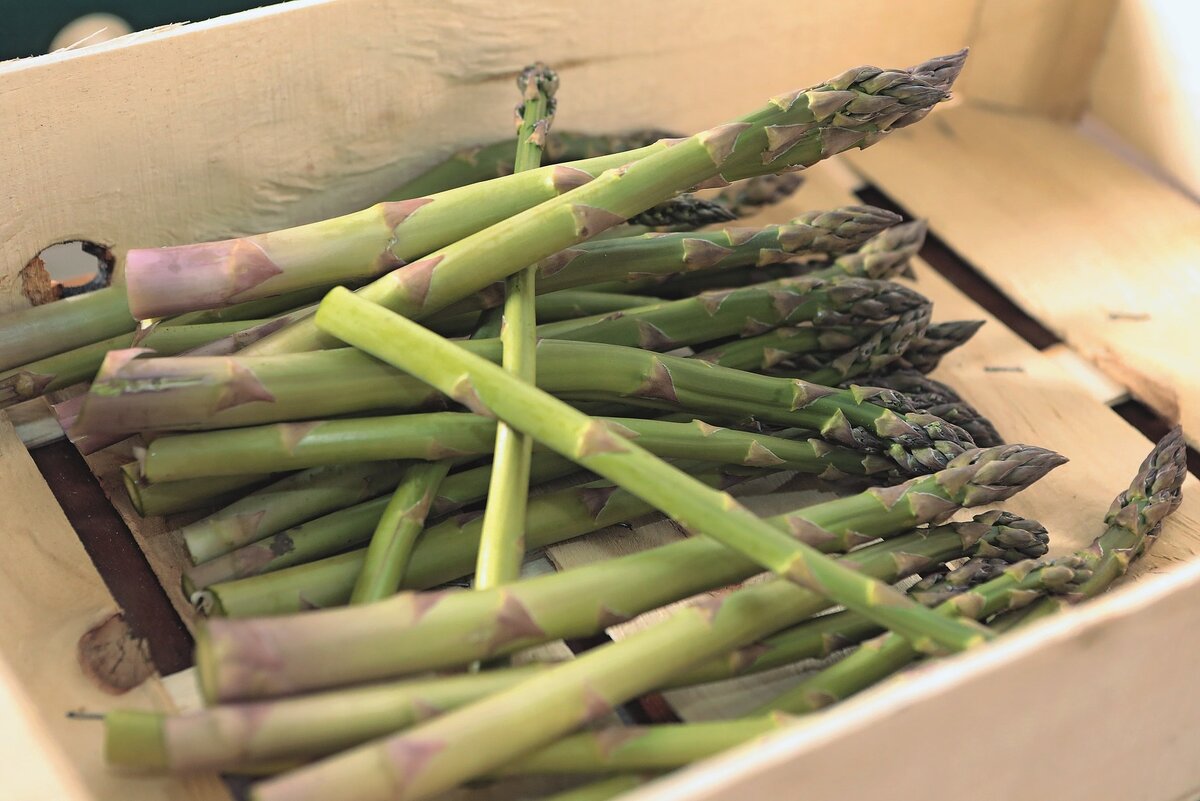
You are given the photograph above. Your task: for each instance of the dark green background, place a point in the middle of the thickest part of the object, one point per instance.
(28, 26)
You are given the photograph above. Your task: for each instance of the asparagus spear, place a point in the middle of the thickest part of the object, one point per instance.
(441, 435)
(170, 497)
(475, 164)
(328, 582)
(602, 789)
(926, 353)
(415, 632)
(214, 393)
(487, 734)
(564, 304)
(684, 213)
(286, 502)
(643, 261)
(502, 543)
(447, 552)
(1133, 521)
(489, 390)
(937, 399)
(748, 196)
(32, 334)
(798, 129)
(1133, 518)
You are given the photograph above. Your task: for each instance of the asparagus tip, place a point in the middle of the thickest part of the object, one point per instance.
(942, 71)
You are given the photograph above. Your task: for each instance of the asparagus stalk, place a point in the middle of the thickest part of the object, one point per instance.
(937, 399)
(487, 734)
(643, 261)
(328, 582)
(926, 353)
(169, 497)
(1133, 522)
(80, 364)
(234, 735)
(684, 213)
(489, 390)
(32, 334)
(502, 542)
(602, 789)
(213, 393)
(795, 130)
(748, 196)
(398, 635)
(565, 304)
(475, 164)
(1135, 515)
(285, 503)
(402, 522)
(1011, 540)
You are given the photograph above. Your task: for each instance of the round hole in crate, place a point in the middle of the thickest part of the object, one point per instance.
(89, 29)
(68, 268)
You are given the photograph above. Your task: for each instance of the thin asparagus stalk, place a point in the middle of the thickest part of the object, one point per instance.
(285, 503)
(795, 130)
(683, 213)
(328, 582)
(926, 353)
(402, 522)
(1133, 521)
(502, 539)
(260, 309)
(487, 734)
(475, 164)
(32, 334)
(415, 632)
(644, 261)
(489, 390)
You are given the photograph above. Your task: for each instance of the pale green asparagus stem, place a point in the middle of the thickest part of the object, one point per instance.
(502, 541)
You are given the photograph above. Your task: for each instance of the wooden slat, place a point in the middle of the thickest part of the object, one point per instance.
(1093, 705)
(1099, 252)
(50, 597)
(1036, 55)
(1146, 86)
(317, 108)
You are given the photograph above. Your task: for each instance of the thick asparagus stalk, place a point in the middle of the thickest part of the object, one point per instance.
(32, 334)
(328, 582)
(80, 364)
(643, 261)
(170, 497)
(502, 541)
(231, 736)
(475, 164)
(794, 130)
(489, 390)
(485, 735)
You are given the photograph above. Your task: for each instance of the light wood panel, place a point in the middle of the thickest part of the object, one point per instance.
(1146, 85)
(50, 597)
(317, 108)
(1099, 252)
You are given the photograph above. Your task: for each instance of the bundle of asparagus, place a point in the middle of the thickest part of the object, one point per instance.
(570, 322)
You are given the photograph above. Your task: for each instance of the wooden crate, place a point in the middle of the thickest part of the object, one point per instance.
(294, 113)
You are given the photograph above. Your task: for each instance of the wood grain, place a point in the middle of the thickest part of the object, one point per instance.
(1101, 253)
(313, 109)
(50, 597)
